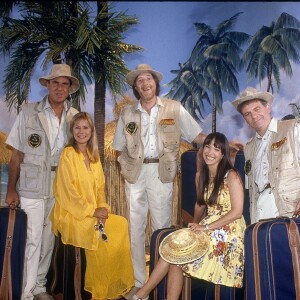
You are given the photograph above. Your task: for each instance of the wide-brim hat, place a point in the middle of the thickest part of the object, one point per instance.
(59, 70)
(251, 93)
(183, 246)
(142, 68)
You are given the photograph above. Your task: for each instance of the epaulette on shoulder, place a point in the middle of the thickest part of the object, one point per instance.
(250, 140)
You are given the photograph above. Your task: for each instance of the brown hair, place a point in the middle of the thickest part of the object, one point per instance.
(137, 95)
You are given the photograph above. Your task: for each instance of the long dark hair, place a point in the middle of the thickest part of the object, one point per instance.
(220, 142)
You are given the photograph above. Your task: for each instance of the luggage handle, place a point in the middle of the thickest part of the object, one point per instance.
(6, 280)
(294, 241)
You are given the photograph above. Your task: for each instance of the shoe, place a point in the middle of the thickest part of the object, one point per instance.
(135, 297)
(132, 292)
(43, 296)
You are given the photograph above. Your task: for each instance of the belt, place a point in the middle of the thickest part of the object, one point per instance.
(267, 186)
(53, 168)
(150, 160)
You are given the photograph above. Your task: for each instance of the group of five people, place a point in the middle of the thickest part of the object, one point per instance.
(61, 188)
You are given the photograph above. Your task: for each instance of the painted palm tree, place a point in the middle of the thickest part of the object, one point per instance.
(213, 64)
(272, 49)
(65, 31)
(188, 88)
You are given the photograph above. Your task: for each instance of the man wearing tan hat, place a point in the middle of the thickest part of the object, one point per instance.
(37, 137)
(148, 136)
(272, 158)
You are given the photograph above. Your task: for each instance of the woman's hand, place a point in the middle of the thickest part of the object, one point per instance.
(196, 227)
(101, 213)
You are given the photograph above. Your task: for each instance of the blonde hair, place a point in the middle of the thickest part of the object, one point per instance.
(92, 144)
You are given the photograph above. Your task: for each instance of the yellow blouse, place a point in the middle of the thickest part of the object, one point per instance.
(78, 192)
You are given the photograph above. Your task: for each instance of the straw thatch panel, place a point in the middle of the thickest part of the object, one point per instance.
(115, 183)
(5, 153)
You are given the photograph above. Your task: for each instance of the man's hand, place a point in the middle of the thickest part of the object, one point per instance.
(12, 199)
(297, 209)
(236, 145)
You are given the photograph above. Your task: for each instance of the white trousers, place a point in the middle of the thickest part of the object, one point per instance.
(39, 245)
(147, 193)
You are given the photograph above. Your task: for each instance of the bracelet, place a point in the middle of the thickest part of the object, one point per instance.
(206, 227)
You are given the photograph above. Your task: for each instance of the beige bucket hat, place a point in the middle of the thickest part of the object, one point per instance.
(251, 93)
(183, 246)
(142, 68)
(59, 70)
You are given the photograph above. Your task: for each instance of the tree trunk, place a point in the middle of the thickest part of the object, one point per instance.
(214, 117)
(99, 115)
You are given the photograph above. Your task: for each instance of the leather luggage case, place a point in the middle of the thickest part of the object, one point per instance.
(13, 228)
(66, 275)
(191, 286)
(272, 269)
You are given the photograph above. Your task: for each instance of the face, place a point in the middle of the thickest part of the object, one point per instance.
(145, 85)
(257, 115)
(59, 89)
(82, 131)
(211, 154)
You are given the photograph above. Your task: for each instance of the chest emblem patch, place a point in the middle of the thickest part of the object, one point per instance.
(131, 128)
(34, 140)
(278, 144)
(167, 122)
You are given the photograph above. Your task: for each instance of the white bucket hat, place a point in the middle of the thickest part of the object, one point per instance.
(251, 93)
(142, 68)
(59, 70)
(183, 246)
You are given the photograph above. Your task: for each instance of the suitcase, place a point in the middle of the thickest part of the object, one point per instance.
(13, 228)
(193, 288)
(272, 259)
(67, 271)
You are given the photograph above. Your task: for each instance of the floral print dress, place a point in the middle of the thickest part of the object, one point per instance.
(223, 263)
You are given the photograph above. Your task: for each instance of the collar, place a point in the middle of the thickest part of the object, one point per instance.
(158, 103)
(272, 128)
(47, 105)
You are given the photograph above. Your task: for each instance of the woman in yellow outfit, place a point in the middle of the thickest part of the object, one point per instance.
(81, 205)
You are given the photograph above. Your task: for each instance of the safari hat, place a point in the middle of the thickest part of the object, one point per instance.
(251, 93)
(183, 246)
(59, 70)
(142, 68)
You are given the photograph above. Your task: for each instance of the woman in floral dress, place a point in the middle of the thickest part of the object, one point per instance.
(218, 212)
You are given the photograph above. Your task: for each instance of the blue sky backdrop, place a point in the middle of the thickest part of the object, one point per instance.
(167, 33)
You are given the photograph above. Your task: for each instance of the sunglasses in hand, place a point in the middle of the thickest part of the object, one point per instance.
(102, 233)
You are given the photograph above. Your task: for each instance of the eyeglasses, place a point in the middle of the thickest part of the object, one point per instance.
(102, 233)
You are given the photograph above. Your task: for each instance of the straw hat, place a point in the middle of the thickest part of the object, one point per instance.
(59, 70)
(183, 246)
(251, 93)
(142, 68)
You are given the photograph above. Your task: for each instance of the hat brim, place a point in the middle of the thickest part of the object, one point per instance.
(260, 95)
(131, 76)
(74, 86)
(173, 256)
